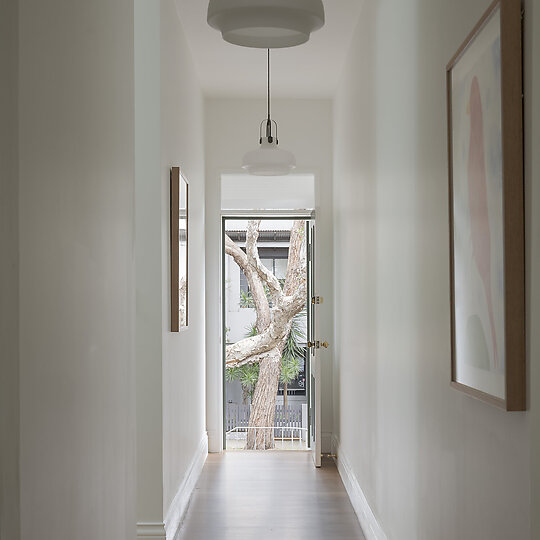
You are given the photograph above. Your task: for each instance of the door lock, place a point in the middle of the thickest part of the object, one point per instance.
(318, 344)
(316, 300)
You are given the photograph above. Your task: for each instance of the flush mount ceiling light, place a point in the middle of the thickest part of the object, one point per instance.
(266, 24)
(268, 159)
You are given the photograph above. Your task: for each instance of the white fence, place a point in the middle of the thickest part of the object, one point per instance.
(289, 430)
(288, 438)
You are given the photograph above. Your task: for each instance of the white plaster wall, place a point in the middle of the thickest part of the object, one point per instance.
(241, 191)
(9, 277)
(433, 463)
(231, 129)
(76, 215)
(170, 366)
(182, 143)
(148, 246)
(532, 209)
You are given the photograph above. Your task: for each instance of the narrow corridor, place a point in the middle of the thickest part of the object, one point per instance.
(269, 495)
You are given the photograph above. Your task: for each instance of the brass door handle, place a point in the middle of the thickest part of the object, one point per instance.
(318, 344)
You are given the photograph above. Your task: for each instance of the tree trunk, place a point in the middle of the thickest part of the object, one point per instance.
(245, 394)
(263, 407)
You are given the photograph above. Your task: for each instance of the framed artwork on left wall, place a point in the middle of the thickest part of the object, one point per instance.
(487, 247)
(179, 227)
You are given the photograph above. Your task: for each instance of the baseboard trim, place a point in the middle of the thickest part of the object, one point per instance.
(181, 500)
(151, 531)
(368, 521)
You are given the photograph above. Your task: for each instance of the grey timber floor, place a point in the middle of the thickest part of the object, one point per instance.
(269, 495)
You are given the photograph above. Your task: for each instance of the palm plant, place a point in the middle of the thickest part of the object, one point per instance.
(247, 375)
(293, 352)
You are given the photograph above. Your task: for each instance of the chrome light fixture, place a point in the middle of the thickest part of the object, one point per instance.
(268, 159)
(266, 24)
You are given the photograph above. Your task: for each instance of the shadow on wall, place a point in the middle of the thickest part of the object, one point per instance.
(433, 279)
(400, 268)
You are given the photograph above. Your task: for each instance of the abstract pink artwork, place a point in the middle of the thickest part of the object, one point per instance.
(479, 212)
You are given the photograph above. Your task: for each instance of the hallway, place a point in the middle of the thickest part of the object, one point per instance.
(268, 495)
(111, 421)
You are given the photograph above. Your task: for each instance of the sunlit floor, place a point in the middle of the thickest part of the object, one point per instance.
(269, 495)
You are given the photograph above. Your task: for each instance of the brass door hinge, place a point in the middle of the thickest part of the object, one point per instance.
(315, 300)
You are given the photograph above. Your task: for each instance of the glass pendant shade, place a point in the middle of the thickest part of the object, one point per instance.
(269, 160)
(266, 24)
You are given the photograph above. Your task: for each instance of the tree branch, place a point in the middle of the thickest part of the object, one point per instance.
(252, 235)
(236, 253)
(262, 308)
(286, 306)
(296, 266)
(241, 360)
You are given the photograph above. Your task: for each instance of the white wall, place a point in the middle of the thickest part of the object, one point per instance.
(76, 216)
(432, 462)
(182, 125)
(291, 192)
(9, 278)
(148, 232)
(170, 366)
(532, 209)
(231, 129)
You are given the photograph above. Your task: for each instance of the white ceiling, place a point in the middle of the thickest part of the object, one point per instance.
(311, 70)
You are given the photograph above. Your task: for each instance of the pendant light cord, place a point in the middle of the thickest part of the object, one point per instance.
(268, 79)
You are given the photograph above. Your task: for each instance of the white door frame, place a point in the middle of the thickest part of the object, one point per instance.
(247, 214)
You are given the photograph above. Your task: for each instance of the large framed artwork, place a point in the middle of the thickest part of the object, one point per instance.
(179, 250)
(485, 146)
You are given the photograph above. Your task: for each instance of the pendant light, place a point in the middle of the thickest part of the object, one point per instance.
(268, 159)
(266, 24)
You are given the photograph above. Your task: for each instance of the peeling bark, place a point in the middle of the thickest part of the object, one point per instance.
(263, 407)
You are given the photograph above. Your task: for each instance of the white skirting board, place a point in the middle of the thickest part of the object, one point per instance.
(151, 531)
(180, 502)
(370, 526)
(168, 529)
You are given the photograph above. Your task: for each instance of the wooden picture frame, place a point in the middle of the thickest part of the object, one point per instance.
(179, 228)
(486, 210)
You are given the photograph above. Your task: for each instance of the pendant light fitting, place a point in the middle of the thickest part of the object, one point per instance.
(268, 159)
(266, 24)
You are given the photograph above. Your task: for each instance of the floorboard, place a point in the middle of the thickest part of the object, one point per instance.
(269, 495)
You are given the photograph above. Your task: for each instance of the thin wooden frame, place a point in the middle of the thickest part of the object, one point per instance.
(176, 180)
(512, 204)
